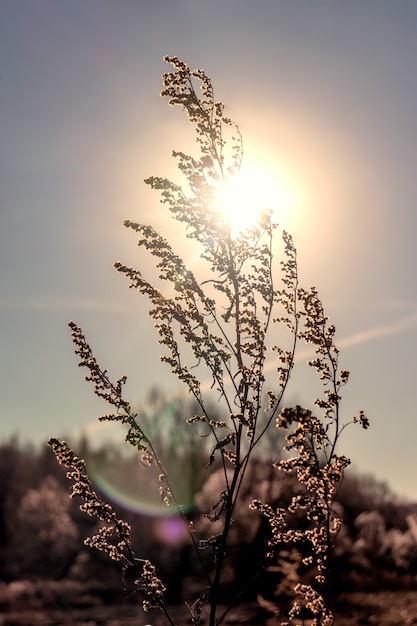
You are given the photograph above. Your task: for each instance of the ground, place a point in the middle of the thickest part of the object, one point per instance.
(45, 604)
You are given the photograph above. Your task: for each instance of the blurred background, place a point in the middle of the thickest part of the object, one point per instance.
(325, 95)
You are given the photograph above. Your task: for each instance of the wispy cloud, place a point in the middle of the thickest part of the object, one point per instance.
(63, 303)
(401, 325)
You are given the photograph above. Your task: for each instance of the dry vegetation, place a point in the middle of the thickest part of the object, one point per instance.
(49, 577)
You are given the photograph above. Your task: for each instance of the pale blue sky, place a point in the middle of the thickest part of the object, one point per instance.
(325, 91)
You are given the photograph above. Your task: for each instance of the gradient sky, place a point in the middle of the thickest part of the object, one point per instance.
(325, 93)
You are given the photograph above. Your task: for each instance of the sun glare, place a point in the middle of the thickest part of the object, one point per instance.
(253, 191)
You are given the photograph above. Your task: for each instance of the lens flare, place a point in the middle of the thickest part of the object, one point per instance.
(171, 531)
(117, 470)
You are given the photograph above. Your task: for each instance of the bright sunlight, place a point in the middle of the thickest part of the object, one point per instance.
(254, 190)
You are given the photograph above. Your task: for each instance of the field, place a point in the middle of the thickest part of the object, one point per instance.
(48, 603)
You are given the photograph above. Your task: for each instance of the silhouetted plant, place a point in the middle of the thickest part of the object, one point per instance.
(218, 326)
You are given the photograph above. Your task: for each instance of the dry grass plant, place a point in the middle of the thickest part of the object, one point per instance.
(222, 324)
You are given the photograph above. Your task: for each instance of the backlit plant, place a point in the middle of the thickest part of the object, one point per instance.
(219, 326)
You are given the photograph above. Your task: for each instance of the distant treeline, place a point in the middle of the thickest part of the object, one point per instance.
(42, 529)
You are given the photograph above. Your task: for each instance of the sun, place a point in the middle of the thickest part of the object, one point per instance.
(244, 197)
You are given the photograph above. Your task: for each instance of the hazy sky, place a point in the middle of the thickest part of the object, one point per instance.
(325, 93)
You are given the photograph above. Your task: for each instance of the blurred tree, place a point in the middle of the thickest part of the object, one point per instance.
(45, 538)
